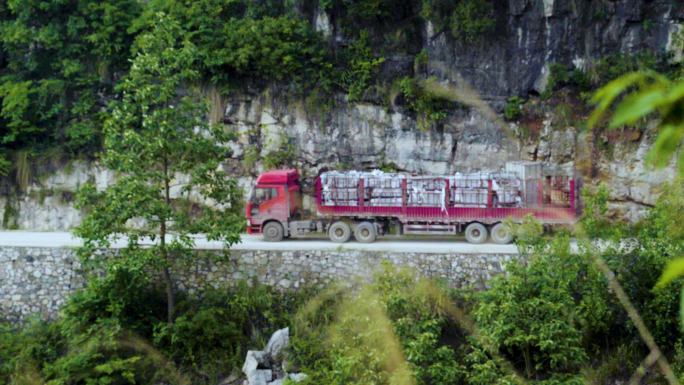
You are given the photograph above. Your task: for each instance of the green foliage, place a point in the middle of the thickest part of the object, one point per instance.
(238, 42)
(369, 9)
(59, 60)
(114, 332)
(640, 95)
(63, 60)
(429, 107)
(151, 136)
(421, 61)
(211, 336)
(594, 221)
(544, 311)
(269, 49)
(471, 19)
(391, 332)
(598, 72)
(613, 66)
(468, 20)
(420, 325)
(660, 240)
(362, 67)
(513, 108)
(283, 156)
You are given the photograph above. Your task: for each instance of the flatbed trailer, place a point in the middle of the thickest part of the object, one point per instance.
(364, 205)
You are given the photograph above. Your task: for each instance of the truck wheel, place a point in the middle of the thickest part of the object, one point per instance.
(476, 233)
(273, 232)
(501, 234)
(339, 232)
(365, 232)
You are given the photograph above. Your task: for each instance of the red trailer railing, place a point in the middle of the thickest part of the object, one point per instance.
(550, 199)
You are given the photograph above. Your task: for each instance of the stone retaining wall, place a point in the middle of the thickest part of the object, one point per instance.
(38, 280)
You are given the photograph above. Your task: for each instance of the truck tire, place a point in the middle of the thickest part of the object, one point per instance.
(365, 232)
(273, 232)
(339, 232)
(501, 234)
(476, 233)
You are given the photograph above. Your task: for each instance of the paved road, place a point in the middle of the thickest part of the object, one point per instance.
(250, 242)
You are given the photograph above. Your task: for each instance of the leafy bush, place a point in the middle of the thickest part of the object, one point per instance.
(659, 239)
(24, 351)
(471, 19)
(115, 332)
(59, 60)
(211, 337)
(541, 314)
(513, 108)
(594, 220)
(362, 67)
(598, 72)
(468, 20)
(284, 154)
(430, 108)
(390, 332)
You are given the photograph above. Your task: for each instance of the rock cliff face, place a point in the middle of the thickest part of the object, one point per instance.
(513, 59)
(531, 34)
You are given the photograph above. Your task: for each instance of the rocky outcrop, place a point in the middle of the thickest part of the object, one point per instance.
(514, 59)
(268, 366)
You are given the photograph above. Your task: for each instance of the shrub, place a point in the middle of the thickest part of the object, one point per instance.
(594, 220)
(598, 72)
(362, 67)
(391, 332)
(114, 331)
(659, 238)
(471, 19)
(212, 335)
(544, 311)
(285, 154)
(430, 108)
(24, 351)
(513, 108)
(242, 43)
(467, 20)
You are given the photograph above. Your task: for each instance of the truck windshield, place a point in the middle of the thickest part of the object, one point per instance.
(262, 194)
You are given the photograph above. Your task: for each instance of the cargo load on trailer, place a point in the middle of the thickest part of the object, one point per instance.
(365, 204)
(385, 189)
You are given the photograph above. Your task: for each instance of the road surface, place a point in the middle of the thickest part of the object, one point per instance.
(252, 242)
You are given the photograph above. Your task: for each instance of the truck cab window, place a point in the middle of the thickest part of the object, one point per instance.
(262, 194)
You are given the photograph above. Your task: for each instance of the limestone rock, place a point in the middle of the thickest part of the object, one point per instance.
(266, 367)
(277, 344)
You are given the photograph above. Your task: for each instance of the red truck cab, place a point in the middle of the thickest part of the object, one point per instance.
(273, 201)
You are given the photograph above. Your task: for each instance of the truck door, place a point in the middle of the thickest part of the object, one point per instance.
(271, 203)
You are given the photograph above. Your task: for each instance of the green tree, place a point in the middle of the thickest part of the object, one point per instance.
(167, 158)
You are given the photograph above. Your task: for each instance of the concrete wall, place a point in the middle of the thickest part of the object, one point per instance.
(37, 281)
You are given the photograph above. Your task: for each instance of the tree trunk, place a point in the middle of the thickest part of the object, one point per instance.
(170, 296)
